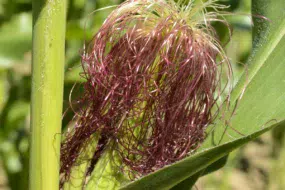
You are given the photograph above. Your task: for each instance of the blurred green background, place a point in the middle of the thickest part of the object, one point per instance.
(258, 165)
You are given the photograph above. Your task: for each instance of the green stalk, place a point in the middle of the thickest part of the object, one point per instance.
(49, 20)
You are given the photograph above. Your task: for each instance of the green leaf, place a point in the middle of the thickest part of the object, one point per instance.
(3, 91)
(16, 115)
(173, 174)
(216, 165)
(15, 40)
(188, 183)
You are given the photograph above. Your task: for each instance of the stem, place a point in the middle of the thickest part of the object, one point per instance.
(49, 20)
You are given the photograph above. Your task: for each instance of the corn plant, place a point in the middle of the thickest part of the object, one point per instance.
(155, 112)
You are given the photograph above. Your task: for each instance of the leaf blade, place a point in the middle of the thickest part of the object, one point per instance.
(171, 175)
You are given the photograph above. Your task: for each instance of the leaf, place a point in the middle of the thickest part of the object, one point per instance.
(3, 90)
(188, 183)
(14, 118)
(15, 39)
(216, 165)
(263, 101)
(173, 174)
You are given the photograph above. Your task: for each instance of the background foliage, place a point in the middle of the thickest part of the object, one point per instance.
(258, 165)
